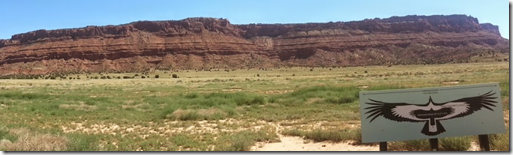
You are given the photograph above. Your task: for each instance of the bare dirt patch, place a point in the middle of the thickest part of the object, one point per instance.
(298, 144)
(294, 143)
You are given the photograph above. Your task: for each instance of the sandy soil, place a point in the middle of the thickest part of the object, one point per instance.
(298, 144)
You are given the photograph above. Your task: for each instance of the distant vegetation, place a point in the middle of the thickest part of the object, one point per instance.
(217, 111)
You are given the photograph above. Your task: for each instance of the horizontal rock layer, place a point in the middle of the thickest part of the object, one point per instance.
(204, 43)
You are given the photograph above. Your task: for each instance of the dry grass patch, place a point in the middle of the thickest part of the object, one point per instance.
(293, 123)
(28, 141)
(197, 114)
(313, 100)
(79, 107)
(138, 107)
(318, 135)
(445, 144)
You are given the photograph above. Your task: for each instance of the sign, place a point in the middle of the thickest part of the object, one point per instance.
(425, 113)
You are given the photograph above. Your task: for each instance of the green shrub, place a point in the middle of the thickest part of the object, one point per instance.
(358, 136)
(444, 144)
(89, 102)
(192, 95)
(168, 111)
(243, 140)
(184, 140)
(4, 134)
(293, 132)
(327, 94)
(188, 115)
(250, 100)
(223, 103)
(504, 85)
(82, 142)
(238, 98)
(272, 100)
(320, 135)
(195, 114)
(239, 144)
(23, 96)
(340, 99)
(324, 135)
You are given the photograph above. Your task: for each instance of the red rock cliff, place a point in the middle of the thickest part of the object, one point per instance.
(203, 43)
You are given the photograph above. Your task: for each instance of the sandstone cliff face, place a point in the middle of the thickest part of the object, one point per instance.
(204, 43)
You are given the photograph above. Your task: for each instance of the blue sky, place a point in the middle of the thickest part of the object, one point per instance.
(19, 16)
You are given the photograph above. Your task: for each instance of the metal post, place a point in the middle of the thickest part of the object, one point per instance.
(382, 146)
(484, 143)
(433, 142)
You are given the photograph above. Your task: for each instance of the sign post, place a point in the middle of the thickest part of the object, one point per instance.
(433, 142)
(383, 146)
(484, 144)
(431, 113)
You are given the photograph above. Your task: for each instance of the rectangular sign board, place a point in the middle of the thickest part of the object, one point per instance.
(424, 113)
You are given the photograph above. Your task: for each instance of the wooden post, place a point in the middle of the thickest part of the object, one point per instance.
(382, 146)
(484, 144)
(433, 142)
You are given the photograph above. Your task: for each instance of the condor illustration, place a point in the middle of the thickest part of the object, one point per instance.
(431, 113)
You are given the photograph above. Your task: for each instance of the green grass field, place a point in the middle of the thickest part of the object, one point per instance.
(217, 110)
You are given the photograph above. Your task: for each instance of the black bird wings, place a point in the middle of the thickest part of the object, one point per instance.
(466, 106)
(394, 111)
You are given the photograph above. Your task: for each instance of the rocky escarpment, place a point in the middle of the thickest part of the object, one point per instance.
(205, 43)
